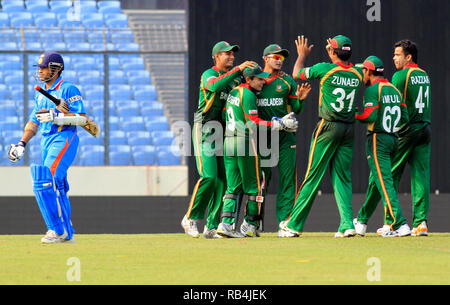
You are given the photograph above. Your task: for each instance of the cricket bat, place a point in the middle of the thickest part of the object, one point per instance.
(91, 126)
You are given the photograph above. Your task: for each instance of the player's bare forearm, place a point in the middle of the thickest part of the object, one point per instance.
(299, 64)
(29, 132)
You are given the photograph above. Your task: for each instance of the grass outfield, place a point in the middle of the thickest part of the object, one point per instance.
(315, 258)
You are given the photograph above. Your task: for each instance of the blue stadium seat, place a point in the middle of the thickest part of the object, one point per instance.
(108, 3)
(155, 125)
(4, 20)
(95, 93)
(145, 158)
(129, 46)
(12, 6)
(113, 63)
(57, 46)
(168, 158)
(12, 136)
(120, 148)
(52, 35)
(88, 5)
(114, 123)
(90, 77)
(23, 19)
(93, 148)
(8, 35)
(70, 23)
(139, 138)
(148, 94)
(93, 20)
(13, 79)
(162, 137)
(92, 158)
(115, 21)
(96, 36)
(45, 20)
(14, 67)
(10, 123)
(70, 75)
(120, 158)
(128, 110)
(89, 140)
(117, 77)
(133, 123)
(78, 46)
(125, 103)
(116, 140)
(140, 79)
(33, 46)
(109, 10)
(75, 36)
(37, 6)
(123, 36)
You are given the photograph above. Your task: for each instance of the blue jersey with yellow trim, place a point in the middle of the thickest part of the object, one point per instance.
(59, 89)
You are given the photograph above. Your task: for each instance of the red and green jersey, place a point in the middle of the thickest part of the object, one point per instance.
(214, 88)
(414, 84)
(278, 98)
(242, 112)
(384, 110)
(339, 85)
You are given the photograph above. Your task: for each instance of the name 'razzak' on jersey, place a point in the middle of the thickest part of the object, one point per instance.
(420, 79)
(344, 81)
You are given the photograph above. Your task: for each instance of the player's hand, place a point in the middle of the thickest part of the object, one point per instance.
(290, 122)
(63, 106)
(45, 116)
(248, 64)
(302, 46)
(16, 151)
(303, 91)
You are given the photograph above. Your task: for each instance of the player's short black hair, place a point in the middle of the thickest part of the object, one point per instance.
(343, 54)
(377, 73)
(408, 47)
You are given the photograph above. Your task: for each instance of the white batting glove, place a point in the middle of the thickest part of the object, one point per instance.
(45, 116)
(290, 122)
(16, 151)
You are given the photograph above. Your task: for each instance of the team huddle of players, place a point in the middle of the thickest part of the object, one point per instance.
(248, 100)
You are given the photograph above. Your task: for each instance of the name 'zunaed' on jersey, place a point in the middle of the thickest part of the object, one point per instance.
(267, 102)
(420, 79)
(344, 81)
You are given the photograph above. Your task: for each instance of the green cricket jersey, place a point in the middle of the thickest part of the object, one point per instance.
(384, 110)
(339, 85)
(242, 112)
(278, 98)
(214, 88)
(414, 84)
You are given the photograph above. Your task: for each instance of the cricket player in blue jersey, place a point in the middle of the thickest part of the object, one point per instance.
(59, 144)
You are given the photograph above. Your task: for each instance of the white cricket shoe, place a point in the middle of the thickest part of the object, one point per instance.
(420, 230)
(404, 230)
(347, 233)
(210, 233)
(284, 231)
(384, 229)
(360, 228)
(190, 227)
(226, 230)
(249, 230)
(52, 238)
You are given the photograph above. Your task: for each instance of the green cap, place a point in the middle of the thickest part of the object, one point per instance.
(372, 63)
(275, 49)
(340, 42)
(249, 72)
(223, 46)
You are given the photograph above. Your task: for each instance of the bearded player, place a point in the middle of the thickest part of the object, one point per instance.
(59, 144)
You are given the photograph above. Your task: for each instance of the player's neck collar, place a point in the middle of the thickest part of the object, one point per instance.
(56, 84)
(410, 66)
(340, 64)
(269, 80)
(245, 85)
(379, 80)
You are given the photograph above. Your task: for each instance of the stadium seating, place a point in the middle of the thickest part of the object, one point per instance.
(136, 118)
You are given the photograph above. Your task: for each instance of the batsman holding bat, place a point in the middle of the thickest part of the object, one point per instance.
(59, 144)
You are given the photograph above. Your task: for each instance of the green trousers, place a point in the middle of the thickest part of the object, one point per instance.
(414, 148)
(287, 174)
(380, 150)
(331, 144)
(210, 187)
(243, 172)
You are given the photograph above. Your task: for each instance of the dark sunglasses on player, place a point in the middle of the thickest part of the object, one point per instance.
(276, 56)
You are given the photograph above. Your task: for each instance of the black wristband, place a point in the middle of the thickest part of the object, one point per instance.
(22, 143)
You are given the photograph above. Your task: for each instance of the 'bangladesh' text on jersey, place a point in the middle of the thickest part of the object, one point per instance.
(339, 85)
(214, 88)
(414, 85)
(384, 110)
(278, 97)
(59, 89)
